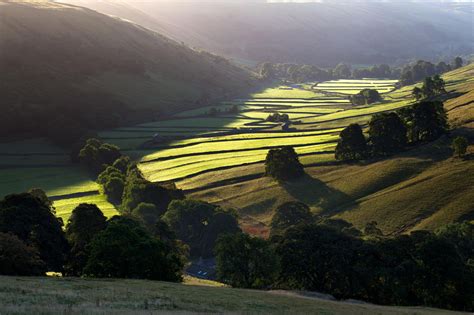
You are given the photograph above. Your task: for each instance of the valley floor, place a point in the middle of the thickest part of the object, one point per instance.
(80, 296)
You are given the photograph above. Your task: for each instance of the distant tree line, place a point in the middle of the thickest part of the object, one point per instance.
(408, 74)
(415, 72)
(305, 252)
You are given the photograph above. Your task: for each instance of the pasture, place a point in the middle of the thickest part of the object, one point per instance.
(213, 140)
(110, 296)
(238, 133)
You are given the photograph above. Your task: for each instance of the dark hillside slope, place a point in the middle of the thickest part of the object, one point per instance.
(323, 33)
(63, 65)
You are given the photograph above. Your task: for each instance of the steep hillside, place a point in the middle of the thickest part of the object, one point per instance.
(315, 33)
(67, 65)
(81, 296)
(422, 188)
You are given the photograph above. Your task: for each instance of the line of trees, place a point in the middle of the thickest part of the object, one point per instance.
(389, 133)
(306, 252)
(416, 72)
(408, 74)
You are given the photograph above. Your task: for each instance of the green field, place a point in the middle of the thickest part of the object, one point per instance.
(316, 120)
(354, 86)
(193, 143)
(87, 296)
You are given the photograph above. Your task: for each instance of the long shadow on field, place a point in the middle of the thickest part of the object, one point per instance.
(316, 193)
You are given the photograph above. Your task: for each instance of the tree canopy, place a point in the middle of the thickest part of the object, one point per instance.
(283, 164)
(34, 222)
(387, 133)
(352, 144)
(199, 224)
(85, 223)
(246, 262)
(126, 250)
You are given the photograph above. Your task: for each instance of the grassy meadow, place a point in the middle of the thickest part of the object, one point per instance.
(82, 296)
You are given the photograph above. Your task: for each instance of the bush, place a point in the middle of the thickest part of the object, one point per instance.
(283, 164)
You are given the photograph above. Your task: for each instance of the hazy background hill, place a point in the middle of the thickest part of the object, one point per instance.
(66, 66)
(323, 34)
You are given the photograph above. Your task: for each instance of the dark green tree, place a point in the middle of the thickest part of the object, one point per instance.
(243, 261)
(19, 259)
(425, 121)
(319, 258)
(458, 62)
(342, 71)
(366, 96)
(283, 164)
(34, 222)
(387, 133)
(96, 155)
(460, 145)
(139, 190)
(288, 215)
(126, 250)
(352, 144)
(417, 93)
(199, 224)
(148, 213)
(85, 223)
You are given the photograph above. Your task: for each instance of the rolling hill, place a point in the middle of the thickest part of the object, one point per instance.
(68, 67)
(311, 33)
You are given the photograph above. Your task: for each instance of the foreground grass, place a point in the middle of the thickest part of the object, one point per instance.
(78, 296)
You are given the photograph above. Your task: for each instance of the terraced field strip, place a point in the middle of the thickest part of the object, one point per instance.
(285, 93)
(354, 86)
(55, 181)
(203, 123)
(232, 145)
(184, 167)
(358, 112)
(64, 207)
(252, 136)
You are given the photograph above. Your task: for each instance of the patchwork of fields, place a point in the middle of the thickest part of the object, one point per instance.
(210, 139)
(316, 116)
